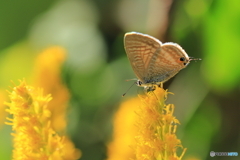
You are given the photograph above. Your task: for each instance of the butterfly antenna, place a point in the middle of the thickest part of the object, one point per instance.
(128, 89)
(131, 79)
(194, 59)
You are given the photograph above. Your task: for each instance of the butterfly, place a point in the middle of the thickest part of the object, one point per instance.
(152, 61)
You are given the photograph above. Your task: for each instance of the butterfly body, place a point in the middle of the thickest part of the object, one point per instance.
(152, 61)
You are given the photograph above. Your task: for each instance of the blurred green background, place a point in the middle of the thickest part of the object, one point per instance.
(206, 93)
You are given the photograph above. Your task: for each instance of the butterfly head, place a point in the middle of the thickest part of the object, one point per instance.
(186, 60)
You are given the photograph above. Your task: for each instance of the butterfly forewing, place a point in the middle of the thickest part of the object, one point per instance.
(140, 50)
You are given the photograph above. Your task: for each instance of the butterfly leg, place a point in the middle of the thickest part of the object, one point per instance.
(150, 89)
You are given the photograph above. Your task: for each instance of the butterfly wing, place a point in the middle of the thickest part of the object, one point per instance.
(141, 49)
(166, 63)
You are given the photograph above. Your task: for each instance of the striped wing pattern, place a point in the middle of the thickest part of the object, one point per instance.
(140, 50)
(165, 64)
(151, 61)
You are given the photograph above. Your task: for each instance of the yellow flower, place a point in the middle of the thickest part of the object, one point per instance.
(47, 75)
(2, 107)
(152, 128)
(156, 138)
(124, 131)
(34, 138)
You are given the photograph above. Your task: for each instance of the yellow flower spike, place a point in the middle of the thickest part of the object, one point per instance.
(156, 138)
(2, 107)
(121, 148)
(48, 64)
(34, 137)
(144, 129)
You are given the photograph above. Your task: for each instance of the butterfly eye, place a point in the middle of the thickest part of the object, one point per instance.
(182, 59)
